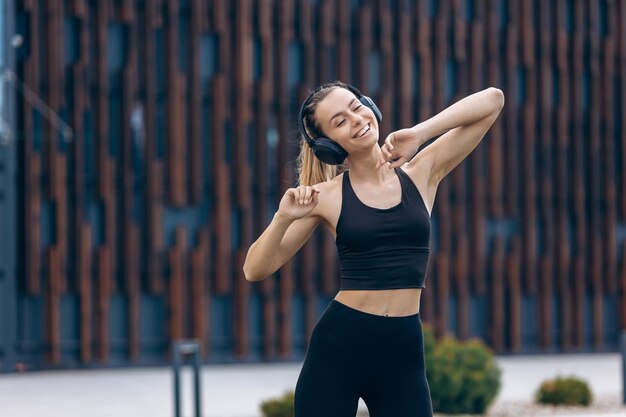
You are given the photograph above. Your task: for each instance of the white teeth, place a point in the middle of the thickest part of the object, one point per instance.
(364, 130)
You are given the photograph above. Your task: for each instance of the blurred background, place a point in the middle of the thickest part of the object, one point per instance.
(145, 144)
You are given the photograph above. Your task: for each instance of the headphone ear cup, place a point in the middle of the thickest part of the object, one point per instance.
(329, 151)
(368, 102)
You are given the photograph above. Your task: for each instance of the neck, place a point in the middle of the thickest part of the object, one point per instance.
(363, 167)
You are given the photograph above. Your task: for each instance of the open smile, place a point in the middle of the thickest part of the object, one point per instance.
(363, 131)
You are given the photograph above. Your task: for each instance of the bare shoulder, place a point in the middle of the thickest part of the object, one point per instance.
(329, 205)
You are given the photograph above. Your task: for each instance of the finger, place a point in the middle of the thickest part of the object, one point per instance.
(381, 161)
(307, 195)
(391, 139)
(397, 163)
(314, 198)
(299, 196)
(291, 192)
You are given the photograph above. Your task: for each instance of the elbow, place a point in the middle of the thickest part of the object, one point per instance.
(250, 274)
(497, 98)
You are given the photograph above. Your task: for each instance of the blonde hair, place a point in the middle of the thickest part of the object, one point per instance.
(311, 170)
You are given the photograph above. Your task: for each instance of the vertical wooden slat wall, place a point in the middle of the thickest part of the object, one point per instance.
(134, 232)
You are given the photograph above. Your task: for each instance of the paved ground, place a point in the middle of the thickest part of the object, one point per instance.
(237, 390)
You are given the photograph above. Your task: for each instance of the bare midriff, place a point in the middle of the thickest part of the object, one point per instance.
(390, 303)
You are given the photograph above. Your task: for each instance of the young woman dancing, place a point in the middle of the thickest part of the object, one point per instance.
(368, 343)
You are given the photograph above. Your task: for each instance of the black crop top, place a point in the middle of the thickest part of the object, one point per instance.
(383, 248)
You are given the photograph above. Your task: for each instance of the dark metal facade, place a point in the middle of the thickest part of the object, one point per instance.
(133, 233)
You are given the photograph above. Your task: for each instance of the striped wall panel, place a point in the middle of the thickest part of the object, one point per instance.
(134, 233)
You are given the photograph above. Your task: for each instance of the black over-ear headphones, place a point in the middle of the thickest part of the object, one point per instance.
(325, 149)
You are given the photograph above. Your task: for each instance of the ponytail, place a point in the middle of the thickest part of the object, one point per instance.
(311, 170)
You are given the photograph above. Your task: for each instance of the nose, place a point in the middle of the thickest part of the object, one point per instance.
(357, 119)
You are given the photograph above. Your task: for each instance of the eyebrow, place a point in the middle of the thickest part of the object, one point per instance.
(341, 112)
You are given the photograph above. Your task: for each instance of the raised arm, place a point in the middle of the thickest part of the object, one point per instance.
(291, 227)
(465, 124)
(461, 126)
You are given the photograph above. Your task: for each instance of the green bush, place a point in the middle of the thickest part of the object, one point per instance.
(564, 391)
(278, 407)
(463, 376)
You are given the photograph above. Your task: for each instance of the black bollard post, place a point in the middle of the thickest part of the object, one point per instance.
(180, 349)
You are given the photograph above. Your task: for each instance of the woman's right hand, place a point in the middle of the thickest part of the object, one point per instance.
(298, 202)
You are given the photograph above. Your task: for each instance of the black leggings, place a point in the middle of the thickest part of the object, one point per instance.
(356, 354)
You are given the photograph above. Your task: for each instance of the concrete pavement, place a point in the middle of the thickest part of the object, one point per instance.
(237, 390)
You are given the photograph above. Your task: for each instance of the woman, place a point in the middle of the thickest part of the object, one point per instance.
(368, 343)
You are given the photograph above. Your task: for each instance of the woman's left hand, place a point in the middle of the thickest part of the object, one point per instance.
(399, 147)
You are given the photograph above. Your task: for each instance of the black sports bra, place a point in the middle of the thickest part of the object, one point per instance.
(383, 248)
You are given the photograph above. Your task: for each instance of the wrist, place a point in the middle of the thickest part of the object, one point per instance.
(419, 136)
(283, 218)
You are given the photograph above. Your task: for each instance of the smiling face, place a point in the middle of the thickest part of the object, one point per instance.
(344, 119)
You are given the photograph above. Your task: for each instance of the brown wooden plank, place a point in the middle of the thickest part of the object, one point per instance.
(424, 50)
(242, 119)
(545, 301)
(85, 292)
(103, 303)
(515, 295)
(82, 230)
(222, 220)
(594, 175)
(154, 236)
(529, 130)
(622, 297)
(546, 174)
(476, 161)
(364, 46)
(53, 80)
(176, 286)
(343, 29)
(563, 248)
(462, 287)
(609, 174)
(52, 303)
(240, 306)
(404, 55)
(385, 97)
(200, 292)
(195, 94)
(442, 272)
(622, 64)
(495, 137)
(130, 248)
(511, 120)
(105, 163)
(580, 253)
(529, 213)
(497, 295)
(597, 293)
(176, 144)
(285, 176)
(32, 225)
(32, 162)
(133, 288)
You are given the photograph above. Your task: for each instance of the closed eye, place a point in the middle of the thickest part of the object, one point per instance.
(341, 122)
